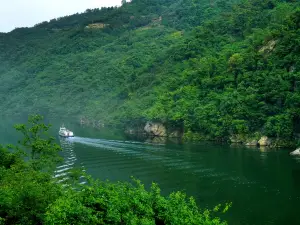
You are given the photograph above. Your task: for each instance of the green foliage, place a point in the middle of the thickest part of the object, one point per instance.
(30, 194)
(125, 203)
(216, 68)
(25, 195)
(8, 159)
(42, 149)
(243, 72)
(25, 190)
(279, 126)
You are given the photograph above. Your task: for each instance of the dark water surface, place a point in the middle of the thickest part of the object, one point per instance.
(262, 184)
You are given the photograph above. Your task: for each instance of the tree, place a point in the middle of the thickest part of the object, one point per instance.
(42, 149)
(32, 196)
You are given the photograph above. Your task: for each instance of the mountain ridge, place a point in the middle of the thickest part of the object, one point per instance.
(199, 67)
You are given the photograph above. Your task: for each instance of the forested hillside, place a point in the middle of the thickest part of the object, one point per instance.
(213, 68)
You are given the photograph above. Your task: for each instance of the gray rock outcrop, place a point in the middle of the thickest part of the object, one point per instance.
(175, 134)
(252, 143)
(236, 139)
(264, 141)
(296, 152)
(156, 129)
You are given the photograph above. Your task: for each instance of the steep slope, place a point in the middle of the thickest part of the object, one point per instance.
(213, 68)
(237, 75)
(90, 63)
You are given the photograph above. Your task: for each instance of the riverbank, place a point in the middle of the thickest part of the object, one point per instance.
(159, 131)
(255, 179)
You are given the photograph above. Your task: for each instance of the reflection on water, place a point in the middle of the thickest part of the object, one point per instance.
(62, 171)
(145, 151)
(296, 158)
(157, 140)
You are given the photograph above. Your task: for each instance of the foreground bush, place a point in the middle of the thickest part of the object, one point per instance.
(29, 194)
(124, 203)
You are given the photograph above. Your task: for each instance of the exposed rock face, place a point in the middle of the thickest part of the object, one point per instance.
(156, 129)
(292, 69)
(283, 143)
(83, 121)
(296, 152)
(96, 26)
(175, 134)
(264, 141)
(91, 122)
(130, 131)
(235, 139)
(157, 140)
(252, 143)
(269, 47)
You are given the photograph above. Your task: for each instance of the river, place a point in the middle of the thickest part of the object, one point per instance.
(262, 184)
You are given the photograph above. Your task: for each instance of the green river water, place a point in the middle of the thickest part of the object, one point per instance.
(262, 184)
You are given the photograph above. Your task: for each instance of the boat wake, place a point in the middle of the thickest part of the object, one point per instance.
(62, 171)
(138, 159)
(168, 158)
(113, 144)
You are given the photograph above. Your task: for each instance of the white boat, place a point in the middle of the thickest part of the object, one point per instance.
(64, 132)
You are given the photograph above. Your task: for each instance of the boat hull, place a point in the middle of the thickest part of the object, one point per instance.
(61, 135)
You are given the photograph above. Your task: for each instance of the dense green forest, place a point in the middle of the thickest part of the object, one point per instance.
(213, 68)
(31, 195)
